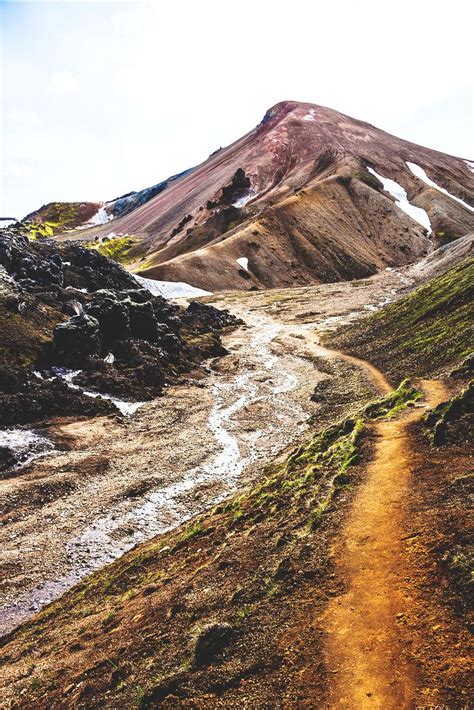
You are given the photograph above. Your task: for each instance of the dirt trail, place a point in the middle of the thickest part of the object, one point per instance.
(118, 483)
(365, 647)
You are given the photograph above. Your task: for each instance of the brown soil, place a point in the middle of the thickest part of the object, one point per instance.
(364, 646)
(125, 636)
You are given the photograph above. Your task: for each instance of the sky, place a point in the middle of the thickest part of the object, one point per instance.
(100, 98)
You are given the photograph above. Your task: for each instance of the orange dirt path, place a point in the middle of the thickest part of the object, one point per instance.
(364, 647)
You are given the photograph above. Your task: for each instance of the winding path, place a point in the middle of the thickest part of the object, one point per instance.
(364, 649)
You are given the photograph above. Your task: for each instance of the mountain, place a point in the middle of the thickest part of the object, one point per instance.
(257, 498)
(310, 195)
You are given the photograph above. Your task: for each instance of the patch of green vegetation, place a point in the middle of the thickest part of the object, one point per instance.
(38, 230)
(62, 215)
(245, 612)
(429, 329)
(116, 248)
(190, 532)
(395, 402)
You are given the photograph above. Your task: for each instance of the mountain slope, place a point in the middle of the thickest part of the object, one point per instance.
(425, 332)
(308, 196)
(302, 198)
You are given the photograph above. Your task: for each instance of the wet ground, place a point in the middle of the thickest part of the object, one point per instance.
(120, 481)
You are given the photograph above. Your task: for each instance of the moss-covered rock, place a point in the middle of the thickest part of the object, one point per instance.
(116, 248)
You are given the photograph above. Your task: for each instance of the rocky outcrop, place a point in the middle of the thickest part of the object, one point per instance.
(64, 306)
(453, 421)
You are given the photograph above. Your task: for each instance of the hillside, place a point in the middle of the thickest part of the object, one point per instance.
(249, 602)
(308, 196)
(426, 332)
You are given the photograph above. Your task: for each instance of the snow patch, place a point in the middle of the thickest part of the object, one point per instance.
(310, 116)
(244, 199)
(470, 165)
(420, 173)
(101, 217)
(171, 289)
(243, 262)
(400, 195)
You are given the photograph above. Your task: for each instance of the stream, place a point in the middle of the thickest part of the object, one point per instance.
(261, 380)
(256, 403)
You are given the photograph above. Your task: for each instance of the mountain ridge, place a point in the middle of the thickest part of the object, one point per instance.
(245, 196)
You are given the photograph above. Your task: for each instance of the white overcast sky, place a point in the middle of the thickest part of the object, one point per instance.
(99, 98)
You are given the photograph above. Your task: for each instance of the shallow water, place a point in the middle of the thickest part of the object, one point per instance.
(25, 444)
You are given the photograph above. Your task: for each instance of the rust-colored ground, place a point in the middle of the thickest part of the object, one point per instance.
(364, 645)
(354, 614)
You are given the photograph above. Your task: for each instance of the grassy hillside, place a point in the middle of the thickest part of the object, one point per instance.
(427, 331)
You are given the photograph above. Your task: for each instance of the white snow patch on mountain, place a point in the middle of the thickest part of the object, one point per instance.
(243, 262)
(243, 200)
(101, 217)
(400, 195)
(420, 173)
(171, 289)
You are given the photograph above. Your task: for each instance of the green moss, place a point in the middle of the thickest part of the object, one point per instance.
(38, 230)
(116, 248)
(395, 402)
(431, 328)
(60, 216)
(190, 532)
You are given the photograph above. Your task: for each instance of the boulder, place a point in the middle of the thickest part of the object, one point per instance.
(76, 340)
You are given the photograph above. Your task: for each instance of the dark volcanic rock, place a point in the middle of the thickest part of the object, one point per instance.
(46, 263)
(76, 340)
(453, 421)
(125, 341)
(238, 187)
(212, 639)
(204, 318)
(36, 400)
(7, 458)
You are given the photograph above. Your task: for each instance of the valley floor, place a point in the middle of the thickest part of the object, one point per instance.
(115, 482)
(351, 617)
